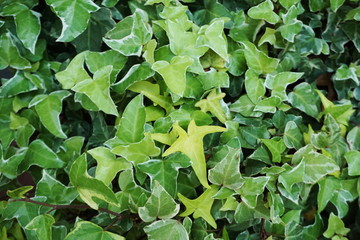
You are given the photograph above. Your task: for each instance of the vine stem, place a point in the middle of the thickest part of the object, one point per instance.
(56, 207)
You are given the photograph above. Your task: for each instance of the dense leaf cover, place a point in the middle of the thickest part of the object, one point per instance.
(167, 119)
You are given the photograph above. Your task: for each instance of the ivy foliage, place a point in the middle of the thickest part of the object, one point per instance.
(169, 119)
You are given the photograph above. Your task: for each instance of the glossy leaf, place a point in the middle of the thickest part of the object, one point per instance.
(164, 229)
(353, 160)
(86, 230)
(293, 137)
(9, 54)
(279, 83)
(304, 98)
(335, 226)
(42, 225)
(276, 147)
(264, 11)
(212, 104)
(73, 15)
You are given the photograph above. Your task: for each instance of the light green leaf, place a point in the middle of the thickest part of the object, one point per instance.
(130, 34)
(245, 28)
(352, 138)
(335, 226)
(191, 144)
(269, 37)
(89, 188)
(42, 225)
(279, 82)
(166, 171)
(10, 167)
(214, 38)
(258, 60)
(19, 192)
(166, 229)
(304, 98)
(353, 160)
(98, 90)
(41, 155)
(288, 3)
(138, 152)
(48, 109)
(251, 189)
(9, 54)
(97, 60)
(268, 105)
(214, 79)
(254, 86)
(27, 24)
(159, 205)
(87, 230)
(292, 176)
(174, 73)
(136, 73)
(293, 137)
(74, 72)
(276, 147)
(264, 11)
(132, 122)
(201, 206)
(74, 16)
(107, 164)
(244, 106)
(327, 187)
(54, 191)
(335, 4)
(226, 172)
(16, 85)
(212, 104)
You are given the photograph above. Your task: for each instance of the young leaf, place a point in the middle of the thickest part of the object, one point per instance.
(98, 90)
(107, 164)
(48, 109)
(73, 15)
(191, 144)
(166, 171)
(276, 147)
(226, 173)
(212, 104)
(264, 11)
(335, 226)
(19, 192)
(174, 73)
(201, 206)
(166, 229)
(88, 187)
(87, 230)
(42, 225)
(159, 205)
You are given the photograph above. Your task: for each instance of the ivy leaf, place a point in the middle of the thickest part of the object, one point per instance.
(174, 73)
(48, 108)
(352, 137)
(42, 225)
(10, 167)
(276, 147)
(245, 28)
(10, 55)
(201, 206)
(304, 98)
(73, 15)
(212, 10)
(293, 137)
(226, 173)
(214, 38)
(214, 79)
(353, 160)
(258, 60)
(128, 35)
(19, 192)
(136, 73)
(335, 4)
(54, 191)
(98, 90)
(88, 187)
(166, 171)
(327, 187)
(279, 82)
(138, 152)
(251, 189)
(16, 85)
(288, 3)
(335, 226)
(132, 122)
(212, 104)
(74, 72)
(264, 11)
(191, 144)
(27, 24)
(107, 164)
(97, 60)
(159, 205)
(268, 105)
(166, 229)
(41, 155)
(84, 230)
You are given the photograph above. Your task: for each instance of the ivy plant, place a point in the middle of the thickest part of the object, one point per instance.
(179, 119)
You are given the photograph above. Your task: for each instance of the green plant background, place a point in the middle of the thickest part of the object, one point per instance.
(167, 119)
